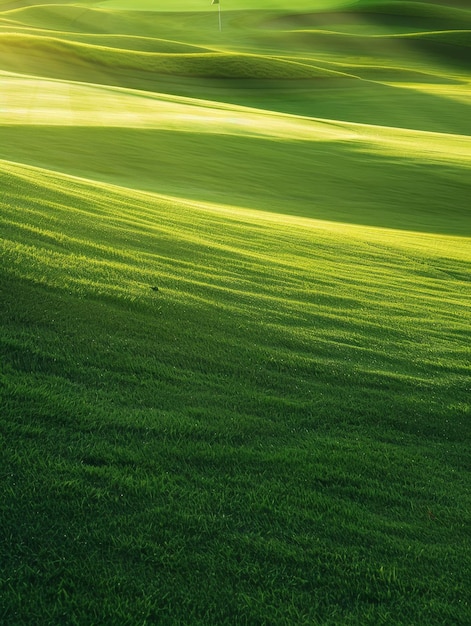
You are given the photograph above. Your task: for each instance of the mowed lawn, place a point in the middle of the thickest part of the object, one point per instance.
(234, 296)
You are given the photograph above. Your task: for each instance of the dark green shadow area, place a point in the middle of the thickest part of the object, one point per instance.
(325, 180)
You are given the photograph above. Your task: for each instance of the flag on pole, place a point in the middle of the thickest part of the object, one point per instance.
(219, 12)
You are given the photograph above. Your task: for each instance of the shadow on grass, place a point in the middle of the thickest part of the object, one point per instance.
(324, 180)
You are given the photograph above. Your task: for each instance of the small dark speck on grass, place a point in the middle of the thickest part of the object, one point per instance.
(94, 461)
(154, 288)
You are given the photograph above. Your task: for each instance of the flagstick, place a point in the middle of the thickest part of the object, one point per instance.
(219, 12)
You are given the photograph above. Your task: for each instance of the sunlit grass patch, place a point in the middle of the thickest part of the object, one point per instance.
(105, 251)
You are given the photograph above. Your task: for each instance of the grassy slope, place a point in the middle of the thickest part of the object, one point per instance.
(279, 434)
(268, 421)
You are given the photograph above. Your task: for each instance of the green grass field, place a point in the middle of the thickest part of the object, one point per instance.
(235, 322)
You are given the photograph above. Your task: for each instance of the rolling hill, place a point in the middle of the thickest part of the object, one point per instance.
(234, 295)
